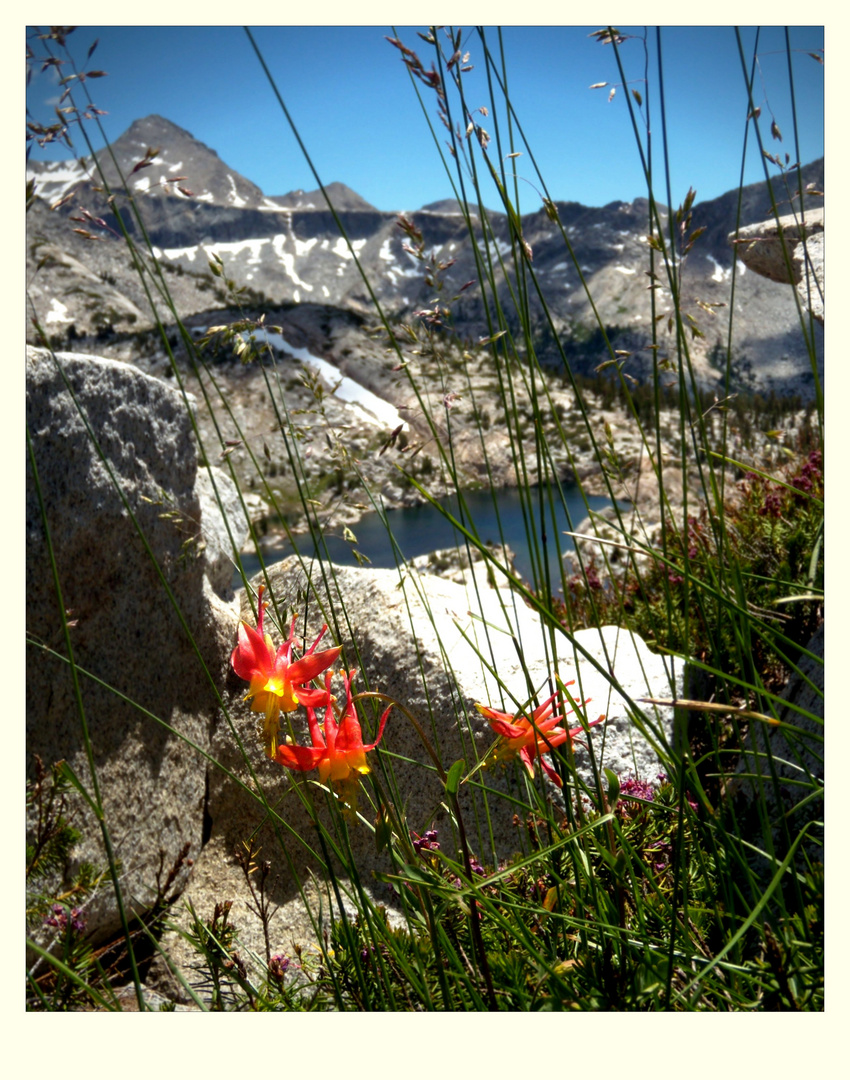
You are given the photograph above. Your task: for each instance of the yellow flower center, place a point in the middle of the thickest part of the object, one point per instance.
(283, 690)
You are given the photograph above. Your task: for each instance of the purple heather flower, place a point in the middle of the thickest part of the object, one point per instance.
(62, 919)
(772, 504)
(637, 788)
(426, 842)
(632, 789)
(664, 850)
(593, 581)
(57, 919)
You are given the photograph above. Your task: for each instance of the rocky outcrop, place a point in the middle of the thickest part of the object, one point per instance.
(116, 483)
(790, 251)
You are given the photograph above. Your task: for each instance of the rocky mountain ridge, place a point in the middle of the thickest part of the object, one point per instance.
(288, 249)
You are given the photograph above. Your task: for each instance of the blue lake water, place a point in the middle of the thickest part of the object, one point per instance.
(421, 529)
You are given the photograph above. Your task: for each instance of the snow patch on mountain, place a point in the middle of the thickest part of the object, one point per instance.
(372, 409)
(57, 179)
(502, 247)
(342, 250)
(253, 246)
(719, 273)
(304, 247)
(287, 260)
(188, 253)
(234, 197)
(724, 273)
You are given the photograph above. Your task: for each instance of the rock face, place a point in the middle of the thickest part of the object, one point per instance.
(124, 629)
(224, 524)
(403, 638)
(761, 248)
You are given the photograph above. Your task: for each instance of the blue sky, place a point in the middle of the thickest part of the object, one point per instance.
(358, 115)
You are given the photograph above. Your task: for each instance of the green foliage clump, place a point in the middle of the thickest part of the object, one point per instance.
(742, 594)
(54, 904)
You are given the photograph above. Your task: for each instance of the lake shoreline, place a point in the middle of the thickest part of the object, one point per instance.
(422, 529)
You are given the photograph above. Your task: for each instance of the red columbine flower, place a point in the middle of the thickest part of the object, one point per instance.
(339, 752)
(530, 738)
(277, 683)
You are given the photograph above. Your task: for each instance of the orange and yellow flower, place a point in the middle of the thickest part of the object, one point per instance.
(277, 682)
(338, 751)
(530, 737)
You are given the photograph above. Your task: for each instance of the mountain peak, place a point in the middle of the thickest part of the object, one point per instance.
(183, 168)
(342, 198)
(156, 130)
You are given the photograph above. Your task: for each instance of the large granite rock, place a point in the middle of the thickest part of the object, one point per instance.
(760, 247)
(414, 639)
(124, 628)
